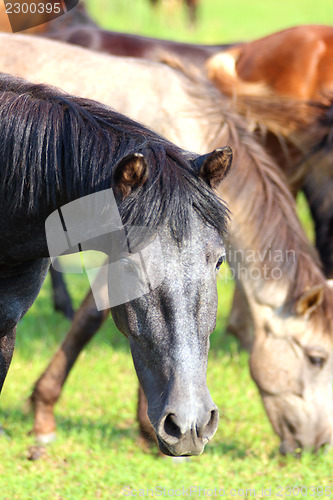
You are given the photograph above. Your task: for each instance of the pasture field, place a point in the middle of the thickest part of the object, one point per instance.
(97, 454)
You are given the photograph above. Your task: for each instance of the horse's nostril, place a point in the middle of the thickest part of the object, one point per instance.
(212, 424)
(324, 442)
(170, 426)
(291, 427)
(207, 431)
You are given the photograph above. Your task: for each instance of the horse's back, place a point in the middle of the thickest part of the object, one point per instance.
(134, 87)
(129, 45)
(295, 62)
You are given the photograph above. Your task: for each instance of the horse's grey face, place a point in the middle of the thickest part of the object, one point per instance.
(168, 330)
(294, 373)
(168, 326)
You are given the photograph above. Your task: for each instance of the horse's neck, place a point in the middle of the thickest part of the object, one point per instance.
(158, 98)
(267, 246)
(252, 265)
(257, 270)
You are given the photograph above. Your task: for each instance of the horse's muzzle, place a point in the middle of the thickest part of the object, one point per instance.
(181, 436)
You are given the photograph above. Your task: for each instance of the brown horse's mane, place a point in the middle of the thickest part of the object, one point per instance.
(260, 183)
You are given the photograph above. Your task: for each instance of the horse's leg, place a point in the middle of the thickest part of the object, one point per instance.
(7, 344)
(240, 321)
(61, 298)
(192, 10)
(19, 287)
(47, 390)
(318, 189)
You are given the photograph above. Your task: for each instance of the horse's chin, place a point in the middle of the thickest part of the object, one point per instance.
(174, 452)
(290, 447)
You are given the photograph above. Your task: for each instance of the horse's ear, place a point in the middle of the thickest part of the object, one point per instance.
(214, 166)
(130, 173)
(310, 301)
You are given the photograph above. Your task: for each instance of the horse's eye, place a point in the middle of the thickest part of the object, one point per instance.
(317, 360)
(316, 355)
(220, 262)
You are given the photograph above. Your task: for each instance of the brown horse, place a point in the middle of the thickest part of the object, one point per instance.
(296, 62)
(292, 314)
(291, 64)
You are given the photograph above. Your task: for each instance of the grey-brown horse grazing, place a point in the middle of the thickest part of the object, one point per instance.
(274, 264)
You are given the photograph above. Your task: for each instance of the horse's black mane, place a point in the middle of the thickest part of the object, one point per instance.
(55, 148)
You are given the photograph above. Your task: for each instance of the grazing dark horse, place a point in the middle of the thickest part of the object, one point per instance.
(287, 295)
(56, 149)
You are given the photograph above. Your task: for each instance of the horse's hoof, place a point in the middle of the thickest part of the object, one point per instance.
(36, 452)
(46, 438)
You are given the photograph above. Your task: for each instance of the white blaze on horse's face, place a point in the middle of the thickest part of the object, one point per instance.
(292, 365)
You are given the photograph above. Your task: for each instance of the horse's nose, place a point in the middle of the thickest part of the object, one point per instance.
(324, 440)
(296, 443)
(179, 435)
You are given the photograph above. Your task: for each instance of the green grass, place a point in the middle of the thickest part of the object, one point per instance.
(97, 452)
(220, 20)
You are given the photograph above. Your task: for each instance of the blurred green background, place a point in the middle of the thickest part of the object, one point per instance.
(219, 20)
(97, 452)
